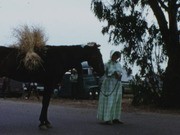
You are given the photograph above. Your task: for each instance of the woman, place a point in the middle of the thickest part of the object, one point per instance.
(109, 106)
(74, 84)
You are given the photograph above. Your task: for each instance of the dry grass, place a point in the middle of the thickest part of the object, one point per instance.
(28, 39)
(32, 61)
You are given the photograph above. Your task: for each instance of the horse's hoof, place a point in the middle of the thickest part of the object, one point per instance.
(48, 125)
(43, 127)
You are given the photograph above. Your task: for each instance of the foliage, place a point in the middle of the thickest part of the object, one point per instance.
(147, 90)
(150, 44)
(126, 25)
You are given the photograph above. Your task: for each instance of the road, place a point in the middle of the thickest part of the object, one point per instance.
(21, 118)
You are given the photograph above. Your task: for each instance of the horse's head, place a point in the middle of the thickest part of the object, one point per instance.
(94, 58)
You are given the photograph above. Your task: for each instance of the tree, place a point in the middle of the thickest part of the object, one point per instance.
(145, 44)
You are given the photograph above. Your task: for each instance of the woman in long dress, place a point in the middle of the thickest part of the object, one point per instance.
(109, 105)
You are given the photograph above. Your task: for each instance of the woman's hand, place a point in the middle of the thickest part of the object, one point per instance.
(117, 76)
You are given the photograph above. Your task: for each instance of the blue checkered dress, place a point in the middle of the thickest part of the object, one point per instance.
(109, 105)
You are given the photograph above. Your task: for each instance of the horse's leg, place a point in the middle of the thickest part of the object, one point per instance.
(45, 103)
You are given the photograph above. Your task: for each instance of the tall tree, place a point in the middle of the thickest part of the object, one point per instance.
(146, 43)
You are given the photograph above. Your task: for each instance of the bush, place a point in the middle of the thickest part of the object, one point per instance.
(145, 93)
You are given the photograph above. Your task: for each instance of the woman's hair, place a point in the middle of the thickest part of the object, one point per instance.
(117, 54)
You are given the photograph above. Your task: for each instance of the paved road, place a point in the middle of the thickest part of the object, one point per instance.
(20, 118)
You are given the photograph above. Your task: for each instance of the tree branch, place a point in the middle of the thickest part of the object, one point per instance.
(178, 5)
(163, 5)
(161, 19)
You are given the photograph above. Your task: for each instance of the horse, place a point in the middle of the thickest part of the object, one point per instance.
(56, 60)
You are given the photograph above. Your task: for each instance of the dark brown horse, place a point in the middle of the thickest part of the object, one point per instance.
(56, 61)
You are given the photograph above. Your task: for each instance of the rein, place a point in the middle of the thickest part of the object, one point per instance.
(107, 95)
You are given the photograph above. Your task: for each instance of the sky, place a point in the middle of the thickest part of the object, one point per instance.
(65, 22)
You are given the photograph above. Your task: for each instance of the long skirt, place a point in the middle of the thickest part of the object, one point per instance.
(110, 99)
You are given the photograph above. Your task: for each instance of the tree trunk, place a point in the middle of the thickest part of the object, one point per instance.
(171, 87)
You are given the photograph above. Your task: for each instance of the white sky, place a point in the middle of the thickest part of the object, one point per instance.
(66, 22)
